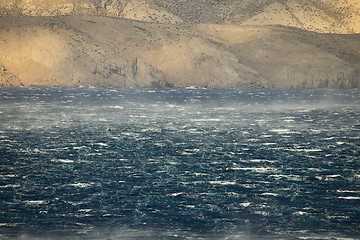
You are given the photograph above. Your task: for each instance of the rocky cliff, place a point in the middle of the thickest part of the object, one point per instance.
(179, 43)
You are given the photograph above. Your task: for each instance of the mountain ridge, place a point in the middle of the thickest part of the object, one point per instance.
(336, 16)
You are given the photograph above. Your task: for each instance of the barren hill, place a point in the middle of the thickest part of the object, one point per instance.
(211, 43)
(336, 16)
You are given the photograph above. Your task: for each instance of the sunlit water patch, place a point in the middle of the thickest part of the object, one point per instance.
(179, 164)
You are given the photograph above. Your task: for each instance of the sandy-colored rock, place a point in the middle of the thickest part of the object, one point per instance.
(102, 51)
(155, 43)
(328, 16)
(143, 11)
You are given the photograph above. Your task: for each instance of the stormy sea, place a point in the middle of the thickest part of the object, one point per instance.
(104, 163)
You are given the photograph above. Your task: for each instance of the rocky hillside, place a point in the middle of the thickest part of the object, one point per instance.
(157, 43)
(337, 16)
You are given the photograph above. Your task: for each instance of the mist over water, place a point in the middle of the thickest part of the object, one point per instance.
(95, 163)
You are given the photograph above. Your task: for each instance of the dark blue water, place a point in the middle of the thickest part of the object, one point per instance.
(179, 164)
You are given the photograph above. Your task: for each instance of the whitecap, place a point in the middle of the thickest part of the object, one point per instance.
(222, 183)
(269, 194)
(306, 150)
(101, 144)
(81, 185)
(151, 129)
(281, 130)
(8, 225)
(35, 202)
(327, 177)
(75, 203)
(176, 194)
(200, 174)
(289, 120)
(8, 176)
(329, 138)
(260, 160)
(245, 204)
(263, 213)
(300, 213)
(190, 206)
(10, 186)
(255, 169)
(333, 176)
(269, 144)
(289, 177)
(116, 107)
(248, 185)
(314, 169)
(347, 191)
(62, 160)
(313, 150)
(234, 194)
(316, 130)
(350, 197)
(206, 120)
(85, 210)
(190, 151)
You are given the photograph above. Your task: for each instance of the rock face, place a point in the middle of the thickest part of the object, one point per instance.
(151, 43)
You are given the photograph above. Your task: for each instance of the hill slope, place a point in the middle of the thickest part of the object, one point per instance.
(331, 16)
(102, 51)
(228, 43)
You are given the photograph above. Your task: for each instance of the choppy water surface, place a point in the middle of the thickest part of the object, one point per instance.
(179, 164)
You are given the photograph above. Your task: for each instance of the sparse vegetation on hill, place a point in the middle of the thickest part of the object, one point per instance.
(336, 16)
(143, 43)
